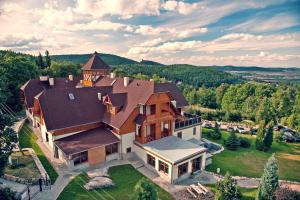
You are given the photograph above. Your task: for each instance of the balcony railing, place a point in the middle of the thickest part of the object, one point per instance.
(191, 120)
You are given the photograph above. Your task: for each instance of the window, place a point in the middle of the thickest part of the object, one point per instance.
(112, 148)
(179, 134)
(182, 169)
(79, 158)
(151, 160)
(152, 130)
(152, 109)
(194, 131)
(164, 167)
(47, 137)
(128, 150)
(138, 130)
(196, 164)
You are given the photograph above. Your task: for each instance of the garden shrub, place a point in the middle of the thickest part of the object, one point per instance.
(245, 142)
(232, 143)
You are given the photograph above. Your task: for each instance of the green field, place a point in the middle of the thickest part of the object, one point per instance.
(250, 162)
(124, 177)
(27, 140)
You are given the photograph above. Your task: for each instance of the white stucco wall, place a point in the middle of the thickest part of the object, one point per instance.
(187, 133)
(184, 176)
(126, 141)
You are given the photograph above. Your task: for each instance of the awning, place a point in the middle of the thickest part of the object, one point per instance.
(86, 140)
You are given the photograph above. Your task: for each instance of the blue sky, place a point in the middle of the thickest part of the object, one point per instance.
(215, 32)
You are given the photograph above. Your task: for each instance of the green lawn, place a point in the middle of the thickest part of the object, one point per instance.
(27, 140)
(25, 168)
(248, 193)
(250, 162)
(124, 177)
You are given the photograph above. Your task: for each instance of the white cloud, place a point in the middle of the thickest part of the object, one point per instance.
(123, 8)
(276, 22)
(16, 40)
(180, 6)
(229, 42)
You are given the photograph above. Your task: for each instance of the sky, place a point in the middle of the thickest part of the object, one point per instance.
(204, 33)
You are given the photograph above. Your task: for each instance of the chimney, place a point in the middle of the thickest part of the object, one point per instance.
(44, 78)
(126, 81)
(112, 75)
(51, 81)
(99, 96)
(71, 77)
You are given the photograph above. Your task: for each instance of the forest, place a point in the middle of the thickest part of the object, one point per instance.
(249, 101)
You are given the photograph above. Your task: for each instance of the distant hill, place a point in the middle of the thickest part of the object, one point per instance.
(254, 68)
(82, 58)
(149, 62)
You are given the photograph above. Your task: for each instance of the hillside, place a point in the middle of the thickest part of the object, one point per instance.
(82, 58)
(263, 74)
(187, 74)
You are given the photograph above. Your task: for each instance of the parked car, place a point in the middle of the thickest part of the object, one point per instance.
(278, 127)
(241, 130)
(230, 129)
(253, 131)
(207, 125)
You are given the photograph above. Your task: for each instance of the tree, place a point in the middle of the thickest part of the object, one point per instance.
(228, 189)
(259, 142)
(62, 69)
(145, 190)
(216, 134)
(48, 59)
(8, 194)
(15, 70)
(232, 143)
(8, 140)
(268, 140)
(264, 137)
(40, 61)
(269, 181)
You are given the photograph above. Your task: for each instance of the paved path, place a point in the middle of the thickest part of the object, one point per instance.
(210, 178)
(64, 175)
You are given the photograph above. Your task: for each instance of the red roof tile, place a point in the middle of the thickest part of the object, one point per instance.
(86, 140)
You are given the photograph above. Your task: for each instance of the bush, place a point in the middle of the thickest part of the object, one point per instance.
(227, 189)
(286, 193)
(245, 142)
(8, 194)
(209, 133)
(232, 143)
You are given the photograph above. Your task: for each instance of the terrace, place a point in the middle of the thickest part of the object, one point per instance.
(189, 121)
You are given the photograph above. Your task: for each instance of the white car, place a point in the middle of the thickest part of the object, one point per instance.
(241, 130)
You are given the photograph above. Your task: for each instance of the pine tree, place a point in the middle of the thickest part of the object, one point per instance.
(40, 62)
(268, 140)
(48, 59)
(232, 143)
(145, 190)
(228, 189)
(269, 181)
(259, 142)
(217, 133)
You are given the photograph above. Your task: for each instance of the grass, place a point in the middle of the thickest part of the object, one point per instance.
(247, 193)
(27, 139)
(26, 167)
(124, 177)
(250, 162)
